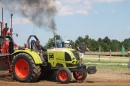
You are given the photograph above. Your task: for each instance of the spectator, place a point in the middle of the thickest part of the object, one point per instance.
(129, 67)
(82, 50)
(128, 52)
(25, 45)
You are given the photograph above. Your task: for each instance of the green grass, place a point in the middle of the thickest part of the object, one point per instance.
(117, 63)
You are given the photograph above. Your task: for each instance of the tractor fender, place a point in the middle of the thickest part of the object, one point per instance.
(33, 54)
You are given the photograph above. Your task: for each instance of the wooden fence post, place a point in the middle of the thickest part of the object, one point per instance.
(99, 53)
(110, 55)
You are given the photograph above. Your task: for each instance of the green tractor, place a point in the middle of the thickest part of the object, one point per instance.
(27, 65)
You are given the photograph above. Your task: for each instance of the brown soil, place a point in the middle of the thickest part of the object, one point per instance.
(101, 78)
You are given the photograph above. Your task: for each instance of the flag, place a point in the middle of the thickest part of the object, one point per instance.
(123, 50)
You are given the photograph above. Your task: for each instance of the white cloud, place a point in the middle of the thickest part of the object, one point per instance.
(128, 28)
(96, 12)
(87, 2)
(82, 12)
(111, 1)
(21, 21)
(72, 1)
(108, 1)
(65, 10)
(112, 11)
(70, 7)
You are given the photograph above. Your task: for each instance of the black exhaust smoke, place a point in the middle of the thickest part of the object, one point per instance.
(39, 12)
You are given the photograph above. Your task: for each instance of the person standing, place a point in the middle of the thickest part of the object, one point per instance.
(129, 67)
(128, 52)
(82, 50)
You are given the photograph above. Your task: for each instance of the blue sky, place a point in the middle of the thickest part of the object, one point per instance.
(95, 18)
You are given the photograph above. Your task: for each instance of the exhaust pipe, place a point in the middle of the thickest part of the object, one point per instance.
(1, 28)
(55, 41)
(2, 23)
(6, 25)
(11, 29)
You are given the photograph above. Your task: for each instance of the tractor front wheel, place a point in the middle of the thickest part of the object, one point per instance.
(64, 75)
(80, 75)
(24, 68)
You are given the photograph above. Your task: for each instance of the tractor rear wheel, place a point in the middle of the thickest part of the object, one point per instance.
(64, 75)
(80, 75)
(24, 68)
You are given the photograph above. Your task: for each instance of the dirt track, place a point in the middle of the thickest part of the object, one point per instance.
(101, 78)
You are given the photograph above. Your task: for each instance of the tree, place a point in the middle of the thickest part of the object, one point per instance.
(100, 43)
(93, 45)
(126, 43)
(107, 40)
(106, 44)
(87, 41)
(50, 42)
(78, 42)
(115, 45)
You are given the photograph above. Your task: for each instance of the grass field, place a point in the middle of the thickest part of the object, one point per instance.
(114, 63)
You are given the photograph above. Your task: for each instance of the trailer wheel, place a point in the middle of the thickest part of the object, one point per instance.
(64, 75)
(24, 68)
(80, 76)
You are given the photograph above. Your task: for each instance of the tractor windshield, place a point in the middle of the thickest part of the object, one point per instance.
(7, 39)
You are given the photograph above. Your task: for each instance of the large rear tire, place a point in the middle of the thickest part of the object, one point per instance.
(80, 76)
(24, 68)
(64, 75)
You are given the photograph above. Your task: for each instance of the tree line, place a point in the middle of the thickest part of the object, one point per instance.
(105, 43)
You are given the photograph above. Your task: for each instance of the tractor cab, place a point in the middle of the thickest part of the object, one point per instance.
(9, 33)
(6, 42)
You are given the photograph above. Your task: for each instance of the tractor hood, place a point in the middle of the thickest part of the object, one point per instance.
(61, 49)
(63, 55)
